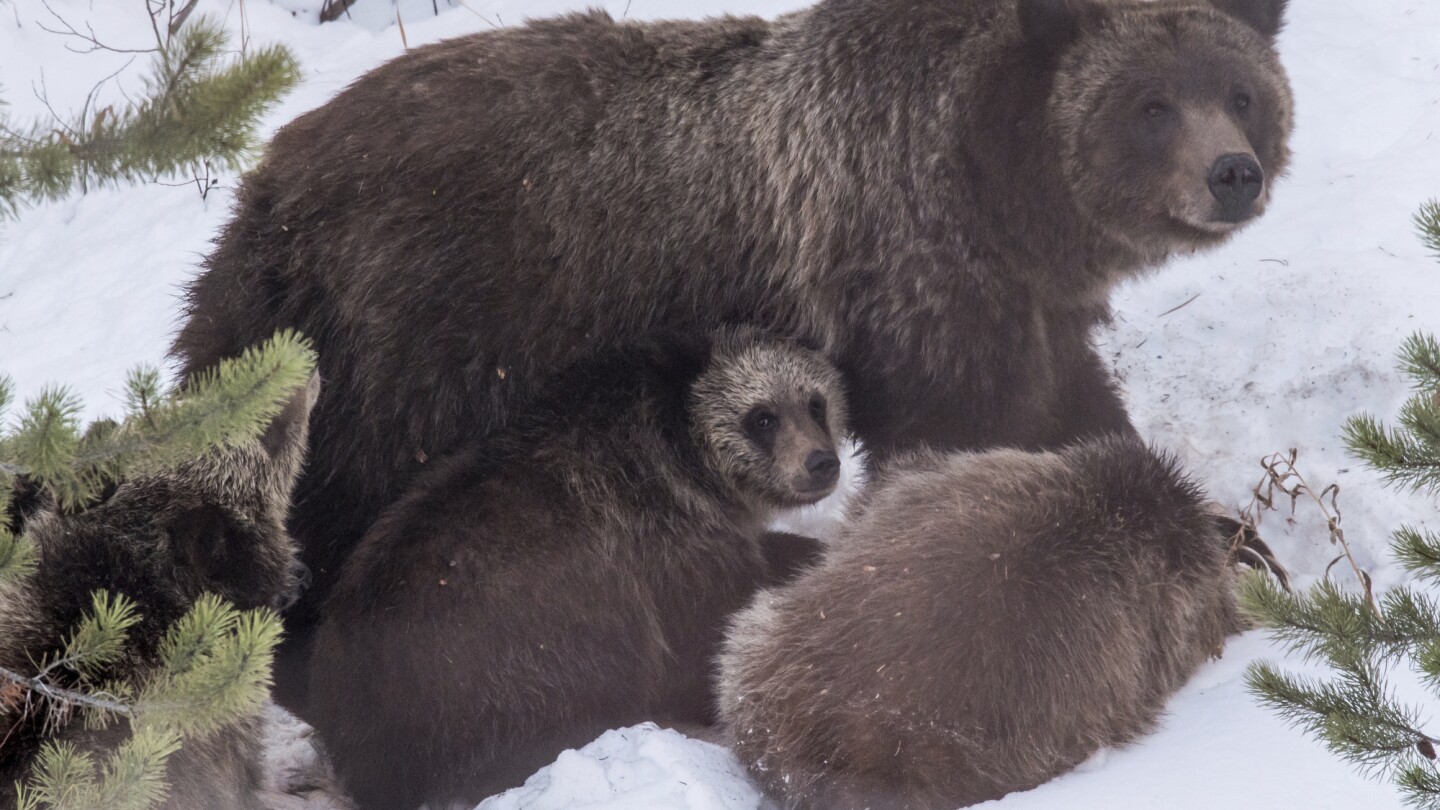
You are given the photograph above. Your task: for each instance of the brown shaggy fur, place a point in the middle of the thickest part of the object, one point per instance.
(984, 624)
(571, 573)
(213, 525)
(937, 195)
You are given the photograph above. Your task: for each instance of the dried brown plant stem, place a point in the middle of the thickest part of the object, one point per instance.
(1282, 474)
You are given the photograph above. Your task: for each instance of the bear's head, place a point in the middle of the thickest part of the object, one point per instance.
(1172, 116)
(213, 524)
(768, 414)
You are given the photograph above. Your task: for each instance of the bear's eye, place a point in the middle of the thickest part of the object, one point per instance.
(817, 409)
(1156, 110)
(761, 422)
(1241, 101)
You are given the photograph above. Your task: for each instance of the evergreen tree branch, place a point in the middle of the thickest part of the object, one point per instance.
(1419, 552)
(195, 110)
(1427, 222)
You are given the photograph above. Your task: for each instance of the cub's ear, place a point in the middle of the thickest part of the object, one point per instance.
(290, 429)
(1265, 16)
(1050, 25)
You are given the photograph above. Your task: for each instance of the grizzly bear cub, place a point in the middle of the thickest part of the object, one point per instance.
(572, 573)
(212, 525)
(985, 623)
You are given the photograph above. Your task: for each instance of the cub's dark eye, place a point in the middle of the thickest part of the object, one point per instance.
(1240, 101)
(817, 409)
(1156, 110)
(761, 422)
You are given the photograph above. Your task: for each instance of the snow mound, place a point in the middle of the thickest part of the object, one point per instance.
(644, 766)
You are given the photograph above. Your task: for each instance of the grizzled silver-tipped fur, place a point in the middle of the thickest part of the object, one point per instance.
(800, 391)
(938, 194)
(214, 524)
(983, 624)
(571, 573)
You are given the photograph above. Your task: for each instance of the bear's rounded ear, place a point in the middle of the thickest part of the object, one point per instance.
(1265, 16)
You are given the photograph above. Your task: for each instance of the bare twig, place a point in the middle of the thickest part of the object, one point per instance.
(332, 9)
(466, 6)
(405, 43)
(68, 30)
(39, 685)
(1187, 303)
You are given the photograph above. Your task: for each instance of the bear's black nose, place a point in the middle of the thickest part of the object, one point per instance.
(299, 580)
(1236, 181)
(823, 465)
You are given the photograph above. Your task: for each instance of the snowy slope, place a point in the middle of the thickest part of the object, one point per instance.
(1287, 330)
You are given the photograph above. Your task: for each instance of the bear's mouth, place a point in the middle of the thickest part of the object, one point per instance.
(809, 496)
(1211, 227)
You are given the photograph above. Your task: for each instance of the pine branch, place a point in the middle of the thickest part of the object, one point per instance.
(1420, 359)
(228, 405)
(1355, 715)
(228, 678)
(1401, 459)
(134, 775)
(195, 110)
(1427, 222)
(1419, 552)
(17, 557)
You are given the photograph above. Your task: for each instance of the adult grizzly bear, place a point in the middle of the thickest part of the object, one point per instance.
(986, 622)
(211, 525)
(571, 573)
(939, 193)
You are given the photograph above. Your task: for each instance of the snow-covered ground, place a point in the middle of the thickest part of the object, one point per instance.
(1266, 344)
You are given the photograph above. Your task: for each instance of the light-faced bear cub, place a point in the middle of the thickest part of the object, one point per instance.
(984, 623)
(212, 525)
(571, 573)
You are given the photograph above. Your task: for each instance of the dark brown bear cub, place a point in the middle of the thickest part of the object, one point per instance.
(569, 574)
(940, 194)
(984, 623)
(213, 525)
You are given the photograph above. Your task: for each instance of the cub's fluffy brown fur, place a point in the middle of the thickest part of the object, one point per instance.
(939, 193)
(985, 623)
(571, 573)
(213, 525)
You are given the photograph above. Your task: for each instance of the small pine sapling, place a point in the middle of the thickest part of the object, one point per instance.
(1356, 714)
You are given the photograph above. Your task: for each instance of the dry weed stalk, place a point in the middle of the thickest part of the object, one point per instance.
(1281, 474)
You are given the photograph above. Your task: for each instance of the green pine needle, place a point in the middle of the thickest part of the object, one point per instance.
(1418, 551)
(1427, 222)
(17, 555)
(134, 775)
(197, 108)
(99, 640)
(63, 777)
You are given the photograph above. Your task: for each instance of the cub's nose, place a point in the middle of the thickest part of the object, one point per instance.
(823, 466)
(299, 580)
(1236, 181)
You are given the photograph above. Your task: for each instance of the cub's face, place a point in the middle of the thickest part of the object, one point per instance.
(1173, 116)
(769, 415)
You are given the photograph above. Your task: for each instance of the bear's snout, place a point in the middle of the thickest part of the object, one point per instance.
(824, 468)
(1236, 181)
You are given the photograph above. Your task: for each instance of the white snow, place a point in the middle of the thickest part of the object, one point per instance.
(1292, 327)
(641, 766)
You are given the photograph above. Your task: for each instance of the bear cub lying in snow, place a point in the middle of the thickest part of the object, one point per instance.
(571, 573)
(982, 624)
